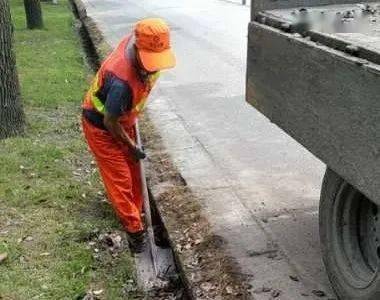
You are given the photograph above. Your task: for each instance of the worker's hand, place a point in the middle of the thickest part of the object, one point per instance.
(138, 153)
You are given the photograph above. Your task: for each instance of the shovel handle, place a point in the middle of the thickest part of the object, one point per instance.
(148, 215)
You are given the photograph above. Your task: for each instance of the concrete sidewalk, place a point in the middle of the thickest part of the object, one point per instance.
(257, 188)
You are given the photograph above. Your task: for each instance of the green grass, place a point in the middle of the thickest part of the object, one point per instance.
(49, 191)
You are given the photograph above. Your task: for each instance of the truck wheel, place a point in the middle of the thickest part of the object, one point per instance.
(350, 239)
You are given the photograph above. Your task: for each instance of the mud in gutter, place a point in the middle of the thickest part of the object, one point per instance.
(205, 271)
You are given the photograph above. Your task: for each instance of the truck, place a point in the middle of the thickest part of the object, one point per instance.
(313, 69)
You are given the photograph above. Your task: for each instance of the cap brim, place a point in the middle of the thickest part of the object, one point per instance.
(156, 61)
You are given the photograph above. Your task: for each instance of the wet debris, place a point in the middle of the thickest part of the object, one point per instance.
(271, 251)
(348, 16)
(319, 293)
(167, 289)
(294, 278)
(252, 253)
(261, 290)
(352, 49)
(275, 293)
(369, 9)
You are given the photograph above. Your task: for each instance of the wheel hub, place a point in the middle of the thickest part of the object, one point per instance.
(357, 233)
(370, 237)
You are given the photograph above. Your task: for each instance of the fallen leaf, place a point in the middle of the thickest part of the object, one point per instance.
(197, 242)
(28, 238)
(319, 293)
(3, 256)
(206, 286)
(229, 289)
(89, 296)
(275, 293)
(263, 289)
(98, 292)
(294, 278)
(45, 254)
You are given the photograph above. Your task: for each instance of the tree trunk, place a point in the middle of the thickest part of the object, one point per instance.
(33, 14)
(11, 112)
(51, 1)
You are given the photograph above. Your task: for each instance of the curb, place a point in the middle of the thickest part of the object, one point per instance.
(100, 46)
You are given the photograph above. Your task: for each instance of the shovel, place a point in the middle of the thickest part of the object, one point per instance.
(154, 263)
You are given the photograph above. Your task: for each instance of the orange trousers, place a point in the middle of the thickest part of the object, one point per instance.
(120, 174)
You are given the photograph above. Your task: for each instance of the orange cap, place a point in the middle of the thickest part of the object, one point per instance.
(152, 39)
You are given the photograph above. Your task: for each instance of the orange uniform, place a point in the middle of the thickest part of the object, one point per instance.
(120, 174)
(119, 171)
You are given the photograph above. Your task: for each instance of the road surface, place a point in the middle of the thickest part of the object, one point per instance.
(260, 188)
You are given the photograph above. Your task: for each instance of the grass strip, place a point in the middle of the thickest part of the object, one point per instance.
(53, 213)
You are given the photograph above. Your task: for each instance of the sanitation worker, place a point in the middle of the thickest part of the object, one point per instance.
(111, 107)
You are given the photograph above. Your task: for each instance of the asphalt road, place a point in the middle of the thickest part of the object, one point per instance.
(229, 148)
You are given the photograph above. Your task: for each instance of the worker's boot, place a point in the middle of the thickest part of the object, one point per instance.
(136, 241)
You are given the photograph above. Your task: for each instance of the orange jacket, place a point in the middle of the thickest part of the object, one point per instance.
(120, 65)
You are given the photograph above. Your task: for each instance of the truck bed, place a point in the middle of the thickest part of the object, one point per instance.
(321, 84)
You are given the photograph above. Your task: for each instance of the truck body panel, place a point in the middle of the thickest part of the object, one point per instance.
(326, 99)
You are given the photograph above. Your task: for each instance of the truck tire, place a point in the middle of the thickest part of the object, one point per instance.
(349, 226)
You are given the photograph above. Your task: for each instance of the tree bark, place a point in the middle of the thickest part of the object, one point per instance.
(11, 112)
(52, 1)
(33, 14)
